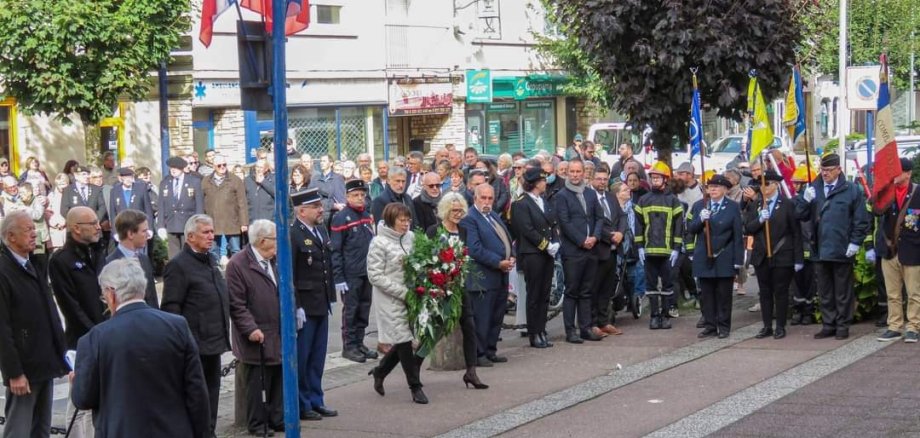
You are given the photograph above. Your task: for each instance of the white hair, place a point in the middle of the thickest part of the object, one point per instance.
(126, 277)
(12, 219)
(259, 229)
(191, 225)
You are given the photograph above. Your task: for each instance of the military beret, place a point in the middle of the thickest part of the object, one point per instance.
(830, 160)
(355, 184)
(771, 175)
(80, 169)
(906, 165)
(176, 163)
(720, 180)
(125, 171)
(534, 174)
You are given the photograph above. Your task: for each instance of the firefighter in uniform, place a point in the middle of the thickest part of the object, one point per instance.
(352, 231)
(532, 223)
(803, 300)
(315, 295)
(775, 268)
(659, 235)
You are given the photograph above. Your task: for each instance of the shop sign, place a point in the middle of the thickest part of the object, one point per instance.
(538, 105)
(525, 89)
(478, 86)
(503, 107)
(495, 130)
(413, 97)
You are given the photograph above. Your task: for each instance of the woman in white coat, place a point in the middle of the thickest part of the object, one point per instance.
(385, 271)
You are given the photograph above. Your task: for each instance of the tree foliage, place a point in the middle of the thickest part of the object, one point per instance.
(82, 57)
(643, 52)
(891, 26)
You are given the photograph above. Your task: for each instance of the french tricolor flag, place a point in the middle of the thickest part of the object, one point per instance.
(887, 164)
(210, 10)
(296, 19)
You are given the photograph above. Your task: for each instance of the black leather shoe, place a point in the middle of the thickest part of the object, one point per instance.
(545, 340)
(723, 335)
(419, 396)
(367, 352)
(354, 355)
(378, 382)
(708, 333)
(310, 415)
(573, 338)
(842, 334)
(482, 361)
(325, 411)
(701, 323)
(260, 432)
(665, 323)
(780, 333)
(537, 342)
(825, 333)
(763, 333)
(590, 336)
(497, 359)
(654, 322)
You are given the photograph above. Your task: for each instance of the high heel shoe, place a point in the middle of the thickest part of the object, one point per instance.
(378, 382)
(419, 397)
(474, 380)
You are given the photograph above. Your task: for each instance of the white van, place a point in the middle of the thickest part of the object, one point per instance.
(908, 147)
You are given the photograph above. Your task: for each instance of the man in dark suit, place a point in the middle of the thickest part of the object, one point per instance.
(776, 268)
(532, 223)
(331, 187)
(576, 206)
(489, 246)
(613, 228)
(180, 198)
(395, 191)
(139, 372)
(129, 194)
(83, 194)
(74, 271)
(255, 313)
(312, 257)
(131, 226)
(29, 365)
(194, 288)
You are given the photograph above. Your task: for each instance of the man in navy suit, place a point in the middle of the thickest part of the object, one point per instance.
(180, 199)
(129, 194)
(581, 226)
(140, 358)
(489, 246)
(132, 229)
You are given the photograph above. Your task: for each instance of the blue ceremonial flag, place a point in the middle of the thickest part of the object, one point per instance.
(794, 117)
(696, 123)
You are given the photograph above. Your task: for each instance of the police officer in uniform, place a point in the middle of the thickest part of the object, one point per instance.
(775, 269)
(352, 231)
(312, 256)
(726, 243)
(532, 222)
(180, 199)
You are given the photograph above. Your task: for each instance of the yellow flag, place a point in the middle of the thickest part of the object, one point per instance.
(791, 115)
(761, 132)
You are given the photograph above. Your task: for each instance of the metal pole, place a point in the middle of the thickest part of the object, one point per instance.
(911, 102)
(164, 118)
(282, 216)
(870, 143)
(843, 114)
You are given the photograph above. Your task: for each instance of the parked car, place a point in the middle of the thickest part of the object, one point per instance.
(726, 149)
(908, 146)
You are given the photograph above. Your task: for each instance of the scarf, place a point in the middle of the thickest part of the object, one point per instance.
(579, 193)
(427, 199)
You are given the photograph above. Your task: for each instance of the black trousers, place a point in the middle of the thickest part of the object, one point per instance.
(468, 329)
(835, 290)
(683, 277)
(579, 272)
(356, 310)
(605, 282)
(658, 268)
(210, 365)
(804, 298)
(538, 277)
(488, 311)
(774, 290)
(880, 286)
(411, 363)
(716, 303)
(256, 411)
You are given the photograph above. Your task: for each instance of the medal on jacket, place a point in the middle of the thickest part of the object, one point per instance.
(310, 260)
(191, 192)
(74, 199)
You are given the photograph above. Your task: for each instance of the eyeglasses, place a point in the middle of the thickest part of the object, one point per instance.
(220, 166)
(457, 211)
(93, 223)
(828, 169)
(431, 186)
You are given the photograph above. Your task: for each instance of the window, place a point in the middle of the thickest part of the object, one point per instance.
(328, 14)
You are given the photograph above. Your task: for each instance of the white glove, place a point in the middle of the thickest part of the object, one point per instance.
(764, 215)
(737, 267)
(553, 248)
(162, 233)
(341, 287)
(870, 255)
(642, 255)
(673, 258)
(852, 249)
(809, 194)
(301, 318)
(705, 214)
(799, 267)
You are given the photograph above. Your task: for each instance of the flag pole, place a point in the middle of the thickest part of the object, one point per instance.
(766, 223)
(706, 230)
(753, 105)
(806, 131)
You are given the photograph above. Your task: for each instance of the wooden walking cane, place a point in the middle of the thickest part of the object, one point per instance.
(766, 223)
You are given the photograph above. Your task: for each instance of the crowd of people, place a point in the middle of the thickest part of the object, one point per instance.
(626, 236)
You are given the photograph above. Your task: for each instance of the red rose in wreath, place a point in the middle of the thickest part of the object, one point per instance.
(420, 290)
(447, 255)
(439, 279)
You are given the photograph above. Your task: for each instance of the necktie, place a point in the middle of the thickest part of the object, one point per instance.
(501, 235)
(318, 235)
(176, 187)
(268, 270)
(603, 201)
(828, 188)
(83, 193)
(29, 268)
(715, 208)
(127, 193)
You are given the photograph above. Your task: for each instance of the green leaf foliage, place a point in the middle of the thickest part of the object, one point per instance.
(643, 51)
(83, 57)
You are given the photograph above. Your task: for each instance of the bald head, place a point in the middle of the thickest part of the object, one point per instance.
(83, 225)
